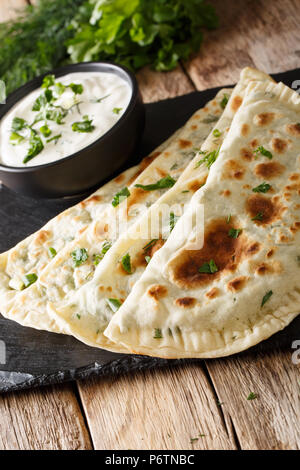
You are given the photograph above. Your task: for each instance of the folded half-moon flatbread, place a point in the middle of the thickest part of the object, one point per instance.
(243, 285)
(89, 310)
(35, 252)
(92, 223)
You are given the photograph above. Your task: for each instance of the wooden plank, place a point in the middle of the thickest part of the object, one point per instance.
(157, 86)
(272, 420)
(158, 409)
(42, 419)
(261, 33)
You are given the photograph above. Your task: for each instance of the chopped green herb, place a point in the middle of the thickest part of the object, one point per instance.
(97, 259)
(166, 182)
(76, 88)
(217, 133)
(185, 191)
(52, 252)
(126, 263)
(18, 124)
(251, 396)
(42, 100)
(59, 88)
(173, 220)
(35, 147)
(105, 247)
(30, 279)
(150, 244)
(120, 196)
(208, 159)
(258, 216)
(114, 304)
(48, 81)
(16, 138)
(228, 219)
(78, 316)
(56, 115)
(45, 130)
(157, 333)
(148, 259)
(262, 188)
(264, 152)
(194, 439)
(83, 126)
(224, 100)
(210, 119)
(98, 100)
(117, 110)
(54, 138)
(174, 167)
(266, 298)
(208, 268)
(79, 256)
(234, 232)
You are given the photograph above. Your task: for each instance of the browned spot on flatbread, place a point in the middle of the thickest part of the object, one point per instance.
(293, 187)
(293, 129)
(254, 143)
(139, 259)
(279, 145)
(100, 230)
(236, 103)
(264, 119)
(183, 143)
(212, 293)
(233, 169)
(270, 253)
(83, 229)
(270, 208)
(245, 130)
(237, 284)
(295, 227)
(226, 252)
(185, 302)
(92, 199)
(120, 178)
(194, 127)
(269, 170)
(294, 176)
(41, 237)
(162, 173)
(246, 154)
(196, 184)
(263, 269)
(143, 165)
(136, 196)
(225, 193)
(157, 291)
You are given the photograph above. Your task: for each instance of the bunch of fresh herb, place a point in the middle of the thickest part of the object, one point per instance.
(34, 43)
(128, 32)
(140, 32)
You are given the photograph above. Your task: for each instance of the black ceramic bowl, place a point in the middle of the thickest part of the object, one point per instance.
(91, 165)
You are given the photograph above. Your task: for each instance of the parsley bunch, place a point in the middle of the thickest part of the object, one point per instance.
(140, 32)
(129, 32)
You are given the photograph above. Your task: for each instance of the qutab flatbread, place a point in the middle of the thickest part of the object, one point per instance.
(90, 308)
(242, 286)
(76, 261)
(32, 255)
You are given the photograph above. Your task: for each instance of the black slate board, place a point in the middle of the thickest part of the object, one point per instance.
(38, 358)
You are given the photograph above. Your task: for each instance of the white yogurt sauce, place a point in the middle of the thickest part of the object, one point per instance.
(104, 114)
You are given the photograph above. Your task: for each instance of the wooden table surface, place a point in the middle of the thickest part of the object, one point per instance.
(164, 409)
